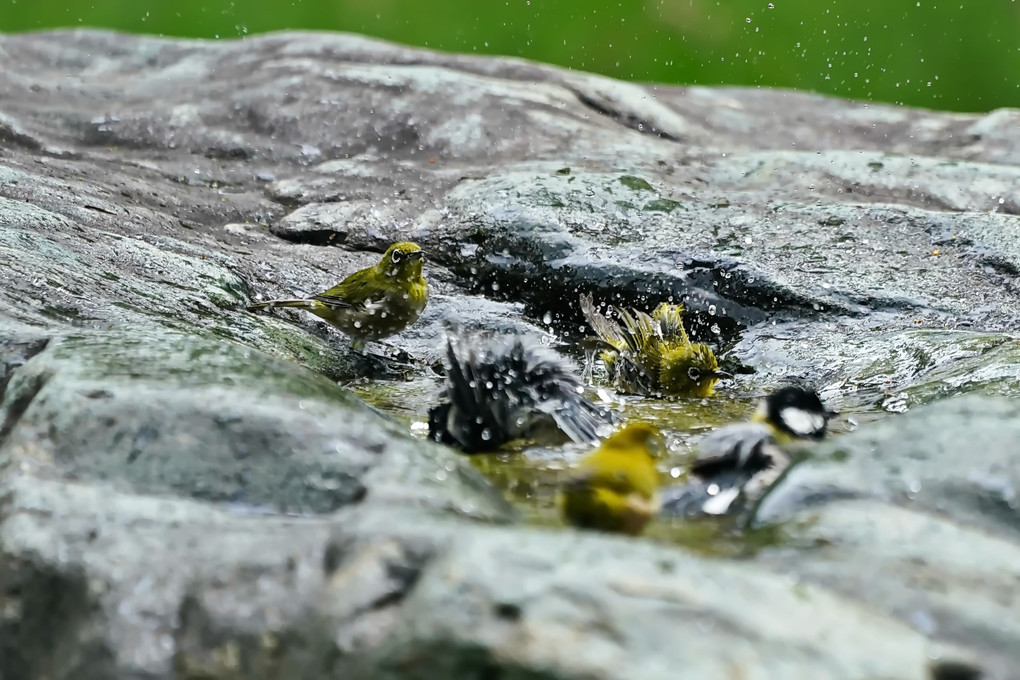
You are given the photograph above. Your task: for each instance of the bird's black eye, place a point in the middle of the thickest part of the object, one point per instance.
(694, 374)
(397, 256)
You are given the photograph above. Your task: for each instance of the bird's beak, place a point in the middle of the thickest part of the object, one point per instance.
(720, 375)
(417, 255)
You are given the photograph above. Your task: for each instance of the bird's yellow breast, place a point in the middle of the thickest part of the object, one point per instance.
(614, 488)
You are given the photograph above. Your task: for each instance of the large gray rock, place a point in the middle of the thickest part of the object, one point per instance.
(919, 516)
(154, 433)
(878, 367)
(426, 601)
(93, 581)
(956, 457)
(105, 436)
(649, 207)
(183, 416)
(547, 607)
(100, 584)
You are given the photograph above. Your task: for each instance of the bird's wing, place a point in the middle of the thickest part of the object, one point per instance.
(646, 346)
(606, 329)
(360, 289)
(580, 419)
(630, 371)
(592, 477)
(632, 335)
(641, 331)
(671, 323)
(741, 446)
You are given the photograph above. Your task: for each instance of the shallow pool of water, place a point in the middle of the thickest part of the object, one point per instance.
(529, 474)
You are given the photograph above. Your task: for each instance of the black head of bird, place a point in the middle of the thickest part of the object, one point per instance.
(794, 412)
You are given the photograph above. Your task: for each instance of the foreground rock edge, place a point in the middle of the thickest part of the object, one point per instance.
(172, 414)
(374, 592)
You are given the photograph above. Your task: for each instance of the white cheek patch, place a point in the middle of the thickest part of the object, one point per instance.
(801, 422)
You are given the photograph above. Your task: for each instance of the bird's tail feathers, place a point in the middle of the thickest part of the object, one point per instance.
(462, 385)
(283, 303)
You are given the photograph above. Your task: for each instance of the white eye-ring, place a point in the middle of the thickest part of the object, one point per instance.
(694, 374)
(397, 256)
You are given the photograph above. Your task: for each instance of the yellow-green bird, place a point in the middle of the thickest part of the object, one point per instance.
(372, 303)
(615, 488)
(652, 354)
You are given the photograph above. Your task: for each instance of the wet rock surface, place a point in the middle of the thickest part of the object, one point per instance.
(585, 607)
(918, 516)
(188, 492)
(183, 416)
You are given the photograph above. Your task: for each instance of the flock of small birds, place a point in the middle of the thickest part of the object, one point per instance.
(502, 387)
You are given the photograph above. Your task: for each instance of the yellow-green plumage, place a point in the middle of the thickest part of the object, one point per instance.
(615, 487)
(372, 303)
(652, 354)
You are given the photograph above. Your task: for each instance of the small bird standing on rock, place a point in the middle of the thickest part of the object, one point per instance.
(501, 387)
(743, 459)
(652, 355)
(372, 303)
(615, 487)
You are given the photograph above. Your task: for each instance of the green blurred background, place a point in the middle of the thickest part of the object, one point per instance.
(961, 55)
